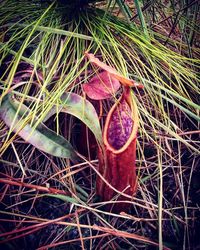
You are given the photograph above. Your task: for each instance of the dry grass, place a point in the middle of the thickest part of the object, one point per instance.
(50, 202)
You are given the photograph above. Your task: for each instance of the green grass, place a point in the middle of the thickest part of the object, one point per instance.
(52, 45)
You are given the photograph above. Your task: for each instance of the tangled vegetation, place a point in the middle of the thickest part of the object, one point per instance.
(51, 131)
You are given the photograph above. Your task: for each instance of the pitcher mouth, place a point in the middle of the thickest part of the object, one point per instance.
(121, 125)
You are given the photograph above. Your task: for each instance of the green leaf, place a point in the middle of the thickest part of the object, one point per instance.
(142, 20)
(81, 108)
(64, 198)
(42, 137)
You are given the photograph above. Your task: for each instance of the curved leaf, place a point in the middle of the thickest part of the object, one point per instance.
(77, 106)
(42, 137)
(101, 86)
